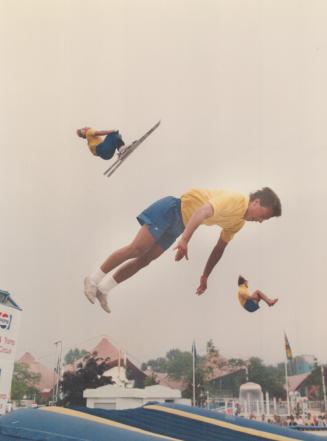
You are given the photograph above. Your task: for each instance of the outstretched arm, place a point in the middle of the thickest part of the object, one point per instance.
(196, 219)
(214, 258)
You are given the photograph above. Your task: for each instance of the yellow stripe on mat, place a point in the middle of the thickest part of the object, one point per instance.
(96, 419)
(224, 424)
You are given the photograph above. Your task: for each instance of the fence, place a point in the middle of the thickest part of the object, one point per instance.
(258, 408)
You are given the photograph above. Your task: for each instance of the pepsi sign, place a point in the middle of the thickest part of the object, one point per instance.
(5, 320)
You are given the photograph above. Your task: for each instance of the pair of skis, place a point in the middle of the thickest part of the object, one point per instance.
(129, 150)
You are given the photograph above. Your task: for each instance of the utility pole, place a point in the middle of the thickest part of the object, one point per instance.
(287, 390)
(193, 374)
(58, 370)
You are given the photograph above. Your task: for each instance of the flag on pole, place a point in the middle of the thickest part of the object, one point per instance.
(194, 351)
(288, 349)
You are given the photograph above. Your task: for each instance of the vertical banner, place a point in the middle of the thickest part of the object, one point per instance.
(9, 328)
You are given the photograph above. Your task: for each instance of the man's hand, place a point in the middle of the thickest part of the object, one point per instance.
(181, 248)
(203, 285)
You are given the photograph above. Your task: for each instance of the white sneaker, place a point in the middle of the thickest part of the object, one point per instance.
(103, 301)
(90, 289)
(121, 151)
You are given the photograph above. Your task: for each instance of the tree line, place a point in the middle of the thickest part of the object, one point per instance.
(176, 364)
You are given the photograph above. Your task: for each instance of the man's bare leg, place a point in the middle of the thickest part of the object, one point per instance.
(130, 268)
(259, 295)
(142, 243)
(123, 273)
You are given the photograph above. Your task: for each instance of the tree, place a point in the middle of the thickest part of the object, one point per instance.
(211, 348)
(150, 380)
(157, 365)
(312, 385)
(179, 364)
(73, 355)
(88, 375)
(24, 382)
(236, 362)
(270, 378)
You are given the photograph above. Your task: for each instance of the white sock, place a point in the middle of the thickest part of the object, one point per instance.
(107, 284)
(97, 276)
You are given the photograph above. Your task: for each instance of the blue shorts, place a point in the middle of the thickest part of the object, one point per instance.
(106, 149)
(250, 305)
(164, 219)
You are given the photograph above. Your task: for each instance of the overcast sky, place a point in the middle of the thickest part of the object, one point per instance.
(240, 88)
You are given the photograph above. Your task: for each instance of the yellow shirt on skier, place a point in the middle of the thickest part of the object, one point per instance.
(243, 294)
(93, 140)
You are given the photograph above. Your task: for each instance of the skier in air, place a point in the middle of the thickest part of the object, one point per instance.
(106, 147)
(250, 302)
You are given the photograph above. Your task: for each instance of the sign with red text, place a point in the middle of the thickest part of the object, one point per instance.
(9, 328)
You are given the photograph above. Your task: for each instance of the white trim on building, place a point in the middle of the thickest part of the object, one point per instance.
(115, 397)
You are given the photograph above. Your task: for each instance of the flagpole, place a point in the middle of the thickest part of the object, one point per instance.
(289, 356)
(287, 390)
(323, 386)
(193, 371)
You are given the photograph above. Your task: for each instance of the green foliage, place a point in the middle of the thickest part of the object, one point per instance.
(88, 375)
(236, 362)
(178, 365)
(150, 381)
(270, 378)
(211, 349)
(157, 365)
(24, 382)
(73, 355)
(313, 385)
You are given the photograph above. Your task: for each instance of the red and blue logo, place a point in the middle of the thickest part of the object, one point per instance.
(5, 320)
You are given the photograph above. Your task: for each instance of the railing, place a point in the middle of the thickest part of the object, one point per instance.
(257, 408)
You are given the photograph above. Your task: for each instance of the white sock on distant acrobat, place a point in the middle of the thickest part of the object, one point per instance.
(97, 276)
(107, 284)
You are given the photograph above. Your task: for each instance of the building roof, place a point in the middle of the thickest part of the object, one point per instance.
(295, 381)
(249, 386)
(48, 377)
(105, 349)
(223, 372)
(6, 299)
(164, 379)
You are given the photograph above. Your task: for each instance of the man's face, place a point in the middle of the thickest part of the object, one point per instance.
(256, 212)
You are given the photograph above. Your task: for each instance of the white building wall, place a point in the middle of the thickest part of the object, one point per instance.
(114, 397)
(129, 403)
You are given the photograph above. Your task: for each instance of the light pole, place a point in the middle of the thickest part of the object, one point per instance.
(58, 370)
(323, 386)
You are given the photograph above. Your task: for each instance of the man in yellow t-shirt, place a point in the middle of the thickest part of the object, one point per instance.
(106, 147)
(250, 302)
(168, 218)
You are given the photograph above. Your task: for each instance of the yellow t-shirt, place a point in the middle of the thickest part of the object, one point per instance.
(93, 140)
(243, 294)
(229, 209)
